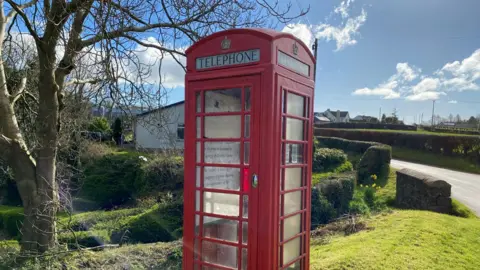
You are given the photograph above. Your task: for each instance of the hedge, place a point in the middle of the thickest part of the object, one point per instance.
(354, 125)
(374, 164)
(454, 130)
(345, 145)
(462, 146)
(327, 159)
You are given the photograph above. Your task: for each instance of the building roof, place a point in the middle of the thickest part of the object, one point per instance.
(322, 118)
(363, 117)
(334, 112)
(161, 108)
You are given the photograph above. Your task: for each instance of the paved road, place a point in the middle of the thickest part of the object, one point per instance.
(465, 186)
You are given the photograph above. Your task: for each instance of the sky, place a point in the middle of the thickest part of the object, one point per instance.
(379, 55)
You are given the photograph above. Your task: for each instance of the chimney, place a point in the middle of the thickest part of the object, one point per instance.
(338, 115)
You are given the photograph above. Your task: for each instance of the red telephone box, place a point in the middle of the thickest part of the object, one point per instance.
(248, 149)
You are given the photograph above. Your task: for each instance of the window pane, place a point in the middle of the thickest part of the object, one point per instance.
(294, 129)
(220, 254)
(198, 152)
(291, 250)
(197, 200)
(220, 228)
(197, 180)
(228, 100)
(245, 232)
(197, 224)
(198, 101)
(293, 153)
(196, 249)
(247, 126)
(246, 153)
(247, 99)
(199, 128)
(292, 202)
(222, 152)
(292, 226)
(226, 126)
(295, 105)
(244, 259)
(245, 206)
(293, 178)
(221, 204)
(295, 266)
(222, 178)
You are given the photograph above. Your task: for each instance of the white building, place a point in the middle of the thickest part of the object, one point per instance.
(337, 116)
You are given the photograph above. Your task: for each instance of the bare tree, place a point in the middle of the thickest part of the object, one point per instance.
(103, 36)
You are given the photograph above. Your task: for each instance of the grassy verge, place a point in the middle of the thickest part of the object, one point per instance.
(453, 163)
(404, 240)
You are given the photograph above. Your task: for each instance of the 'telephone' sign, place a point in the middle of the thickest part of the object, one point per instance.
(228, 59)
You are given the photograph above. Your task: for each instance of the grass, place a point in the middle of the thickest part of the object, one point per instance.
(461, 210)
(453, 163)
(404, 239)
(420, 131)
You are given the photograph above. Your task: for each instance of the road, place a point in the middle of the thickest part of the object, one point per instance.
(465, 186)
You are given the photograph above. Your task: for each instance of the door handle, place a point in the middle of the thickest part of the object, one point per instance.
(254, 180)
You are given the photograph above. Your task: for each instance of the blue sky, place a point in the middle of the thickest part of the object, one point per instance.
(393, 54)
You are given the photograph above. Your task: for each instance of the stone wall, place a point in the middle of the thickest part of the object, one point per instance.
(416, 190)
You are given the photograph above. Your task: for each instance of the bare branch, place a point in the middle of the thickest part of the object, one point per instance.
(87, 81)
(5, 145)
(13, 12)
(150, 45)
(19, 91)
(27, 22)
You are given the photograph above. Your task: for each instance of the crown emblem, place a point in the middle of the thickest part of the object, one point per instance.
(226, 44)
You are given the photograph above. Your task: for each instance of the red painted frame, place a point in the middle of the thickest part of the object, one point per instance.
(267, 80)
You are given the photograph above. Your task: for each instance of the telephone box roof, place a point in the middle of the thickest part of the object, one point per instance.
(268, 34)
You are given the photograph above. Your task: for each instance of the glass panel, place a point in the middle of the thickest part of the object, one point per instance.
(283, 101)
(222, 152)
(196, 250)
(198, 152)
(225, 126)
(199, 101)
(244, 259)
(198, 176)
(221, 178)
(294, 129)
(291, 250)
(199, 128)
(246, 152)
(244, 232)
(294, 153)
(245, 206)
(293, 178)
(228, 100)
(295, 105)
(295, 266)
(197, 224)
(292, 202)
(292, 226)
(220, 228)
(221, 204)
(197, 200)
(247, 99)
(247, 126)
(220, 254)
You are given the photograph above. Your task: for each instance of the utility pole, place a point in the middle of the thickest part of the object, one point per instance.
(433, 111)
(380, 115)
(315, 49)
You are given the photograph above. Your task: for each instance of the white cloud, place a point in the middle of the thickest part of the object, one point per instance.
(452, 101)
(426, 85)
(460, 84)
(469, 66)
(343, 8)
(428, 95)
(301, 31)
(343, 35)
(386, 93)
(406, 72)
(461, 75)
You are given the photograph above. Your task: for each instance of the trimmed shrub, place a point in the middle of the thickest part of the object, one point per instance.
(338, 192)
(326, 159)
(322, 210)
(374, 164)
(162, 223)
(84, 239)
(346, 145)
(110, 180)
(11, 219)
(353, 125)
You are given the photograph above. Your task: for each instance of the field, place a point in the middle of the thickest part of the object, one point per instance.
(420, 131)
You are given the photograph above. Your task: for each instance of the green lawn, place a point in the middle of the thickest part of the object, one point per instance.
(404, 240)
(420, 131)
(453, 163)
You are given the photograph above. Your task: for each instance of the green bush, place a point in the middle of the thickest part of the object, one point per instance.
(162, 223)
(359, 147)
(374, 164)
(99, 124)
(369, 196)
(161, 174)
(322, 210)
(357, 205)
(326, 159)
(338, 192)
(460, 210)
(11, 219)
(74, 240)
(110, 180)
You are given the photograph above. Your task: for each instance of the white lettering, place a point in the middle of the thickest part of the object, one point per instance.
(236, 58)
